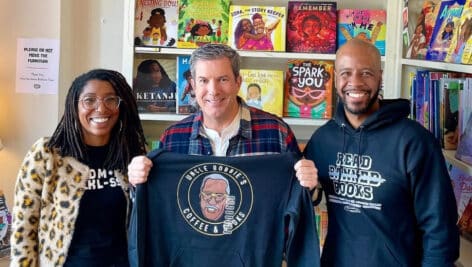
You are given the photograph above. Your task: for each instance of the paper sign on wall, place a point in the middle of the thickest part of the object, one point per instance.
(37, 66)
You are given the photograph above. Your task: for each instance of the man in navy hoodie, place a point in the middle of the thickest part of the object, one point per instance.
(389, 196)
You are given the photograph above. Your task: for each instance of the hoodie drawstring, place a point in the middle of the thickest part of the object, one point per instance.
(359, 151)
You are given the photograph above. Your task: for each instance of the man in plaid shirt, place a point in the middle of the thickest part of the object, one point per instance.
(225, 125)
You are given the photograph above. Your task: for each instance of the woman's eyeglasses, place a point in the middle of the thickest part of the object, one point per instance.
(92, 102)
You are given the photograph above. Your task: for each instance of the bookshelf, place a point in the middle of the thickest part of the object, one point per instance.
(303, 128)
(406, 65)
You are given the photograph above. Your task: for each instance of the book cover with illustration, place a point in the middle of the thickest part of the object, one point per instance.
(449, 101)
(257, 28)
(154, 85)
(464, 146)
(422, 29)
(461, 35)
(202, 22)
(311, 27)
(465, 221)
(186, 102)
(365, 24)
(263, 89)
(155, 23)
(5, 228)
(461, 49)
(308, 91)
(445, 26)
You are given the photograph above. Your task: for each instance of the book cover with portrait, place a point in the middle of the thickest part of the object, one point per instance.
(259, 28)
(422, 26)
(309, 89)
(311, 27)
(186, 101)
(263, 89)
(155, 23)
(445, 27)
(461, 44)
(154, 84)
(202, 22)
(365, 24)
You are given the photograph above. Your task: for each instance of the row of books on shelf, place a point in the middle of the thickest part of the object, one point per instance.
(304, 90)
(443, 32)
(442, 102)
(300, 26)
(462, 185)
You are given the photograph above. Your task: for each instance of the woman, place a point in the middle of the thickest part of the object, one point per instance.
(154, 90)
(71, 196)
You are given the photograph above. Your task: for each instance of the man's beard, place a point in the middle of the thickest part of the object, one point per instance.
(364, 110)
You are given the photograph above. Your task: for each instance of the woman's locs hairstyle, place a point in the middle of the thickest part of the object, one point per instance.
(127, 138)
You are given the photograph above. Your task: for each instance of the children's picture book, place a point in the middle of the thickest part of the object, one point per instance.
(202, 22)
(365, 24)
(450, 88)
(155, 23)
(462, 186)
(5, 227)
(461, 36)
(186, 102)
(263, 89)
(311, 27)
(423, 24)
(445, 27)
(465, 221)
(259, 28)
(308, 91)
(154, 85)
(464, 146)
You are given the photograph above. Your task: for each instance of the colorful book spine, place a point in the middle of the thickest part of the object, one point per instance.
(464, 146)
(311, 27)
(260, 28)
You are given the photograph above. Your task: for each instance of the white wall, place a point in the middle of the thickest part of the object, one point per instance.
(90, 34)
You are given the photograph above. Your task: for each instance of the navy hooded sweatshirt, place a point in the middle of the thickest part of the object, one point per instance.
(222, 211)
(389, 196)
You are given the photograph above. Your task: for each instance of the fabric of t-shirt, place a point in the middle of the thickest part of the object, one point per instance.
(222, 211)
(100, 230)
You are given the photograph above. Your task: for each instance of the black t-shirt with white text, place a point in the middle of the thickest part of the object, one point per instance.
(100, 230)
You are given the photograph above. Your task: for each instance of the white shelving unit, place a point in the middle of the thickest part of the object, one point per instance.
(406, 65)
(303, 128)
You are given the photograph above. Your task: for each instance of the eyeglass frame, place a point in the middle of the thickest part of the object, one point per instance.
(207, 196)
(99, 100)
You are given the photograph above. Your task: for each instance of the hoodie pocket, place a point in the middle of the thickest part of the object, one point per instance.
(199, 257)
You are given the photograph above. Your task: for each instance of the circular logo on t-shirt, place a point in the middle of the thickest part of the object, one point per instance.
(215, 199)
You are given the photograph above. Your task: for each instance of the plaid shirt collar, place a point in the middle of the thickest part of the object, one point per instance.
(245, 123)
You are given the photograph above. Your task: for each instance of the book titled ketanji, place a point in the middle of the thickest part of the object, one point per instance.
(263, 89)
(365, 24)
(154, 85)
(257, 28)
(202, 22)
(309, 89)
(155, 23)
(311, 27)
(186, 101)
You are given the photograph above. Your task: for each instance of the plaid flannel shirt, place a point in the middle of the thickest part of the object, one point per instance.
(259, 133)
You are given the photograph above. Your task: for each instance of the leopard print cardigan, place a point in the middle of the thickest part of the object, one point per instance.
(47, 197)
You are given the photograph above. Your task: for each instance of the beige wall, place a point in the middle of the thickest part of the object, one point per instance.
(90, 34)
